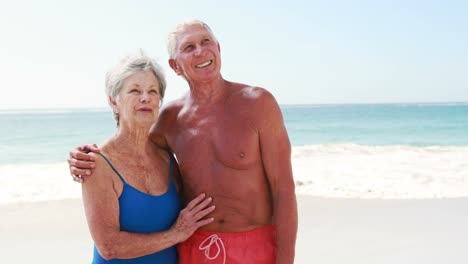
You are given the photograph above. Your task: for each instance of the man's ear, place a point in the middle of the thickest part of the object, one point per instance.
(175, 66)
(219, 47)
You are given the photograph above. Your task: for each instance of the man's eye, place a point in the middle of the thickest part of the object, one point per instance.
(188, 48)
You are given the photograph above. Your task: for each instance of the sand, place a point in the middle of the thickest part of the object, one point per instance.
(382, 231)
(330, 231)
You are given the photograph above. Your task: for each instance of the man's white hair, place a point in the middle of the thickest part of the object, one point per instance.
(172, 36)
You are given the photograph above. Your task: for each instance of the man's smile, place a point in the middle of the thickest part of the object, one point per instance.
(202, 65)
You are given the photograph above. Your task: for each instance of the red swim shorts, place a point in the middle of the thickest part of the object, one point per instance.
(257, 246)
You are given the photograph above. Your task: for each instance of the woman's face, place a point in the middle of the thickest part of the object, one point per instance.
(138, 100)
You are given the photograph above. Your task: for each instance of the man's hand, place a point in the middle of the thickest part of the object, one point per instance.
(81, 163)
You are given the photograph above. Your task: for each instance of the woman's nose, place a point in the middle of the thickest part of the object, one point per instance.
(145, 97)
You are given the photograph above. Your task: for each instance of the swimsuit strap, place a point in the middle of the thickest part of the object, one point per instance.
(114, 169)
(171, 163)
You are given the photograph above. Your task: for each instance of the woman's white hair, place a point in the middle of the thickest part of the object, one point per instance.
(127, 66)
(172, 36)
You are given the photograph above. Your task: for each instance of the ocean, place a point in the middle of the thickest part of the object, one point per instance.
(390, 151)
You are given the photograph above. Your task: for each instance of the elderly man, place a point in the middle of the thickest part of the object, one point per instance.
(231, 143)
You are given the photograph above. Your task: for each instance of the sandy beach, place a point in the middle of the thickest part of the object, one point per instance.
(331, 230)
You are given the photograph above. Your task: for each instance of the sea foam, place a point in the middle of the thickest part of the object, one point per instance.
(326, 170)
(388, 172)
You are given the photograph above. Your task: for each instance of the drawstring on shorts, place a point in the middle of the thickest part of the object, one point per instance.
(210, 241)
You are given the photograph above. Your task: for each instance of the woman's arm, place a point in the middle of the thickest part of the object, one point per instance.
(100, 198)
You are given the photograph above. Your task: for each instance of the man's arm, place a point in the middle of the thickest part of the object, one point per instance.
(158, 130)
(276, 157)
(81, 163)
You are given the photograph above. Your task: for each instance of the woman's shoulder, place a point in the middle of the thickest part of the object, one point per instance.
(104, 156)
(102, 171)
(99, 159)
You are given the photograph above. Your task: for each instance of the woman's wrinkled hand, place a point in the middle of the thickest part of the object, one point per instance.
(192, 217)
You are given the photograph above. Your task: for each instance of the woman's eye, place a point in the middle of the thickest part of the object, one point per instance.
(134, 91)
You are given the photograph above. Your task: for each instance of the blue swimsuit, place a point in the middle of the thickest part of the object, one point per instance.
(145, 213)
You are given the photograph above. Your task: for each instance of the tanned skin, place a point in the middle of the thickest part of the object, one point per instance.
(231, 143)
(148, 171)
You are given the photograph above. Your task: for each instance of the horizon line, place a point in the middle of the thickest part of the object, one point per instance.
(103, 108)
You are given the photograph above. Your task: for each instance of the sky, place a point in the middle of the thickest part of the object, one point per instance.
(54, 54)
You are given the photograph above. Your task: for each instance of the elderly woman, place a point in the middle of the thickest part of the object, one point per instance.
(131, 204)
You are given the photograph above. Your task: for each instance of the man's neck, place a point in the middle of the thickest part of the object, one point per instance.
(208, 93)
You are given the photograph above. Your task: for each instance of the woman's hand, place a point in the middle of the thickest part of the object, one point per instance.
(191, 217)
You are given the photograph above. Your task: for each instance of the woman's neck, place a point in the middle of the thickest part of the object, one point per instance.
(134, 141)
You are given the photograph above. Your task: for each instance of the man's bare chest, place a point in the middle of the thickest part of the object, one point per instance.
(229, 141)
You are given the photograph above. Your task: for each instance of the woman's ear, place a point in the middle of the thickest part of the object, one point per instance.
(113, 104)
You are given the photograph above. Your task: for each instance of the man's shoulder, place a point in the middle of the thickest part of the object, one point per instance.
(255, 94)
(172, 107)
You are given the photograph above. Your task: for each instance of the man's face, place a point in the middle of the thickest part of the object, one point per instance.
(197, 55)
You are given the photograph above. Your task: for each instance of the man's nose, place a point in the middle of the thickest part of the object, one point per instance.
(199, 51)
